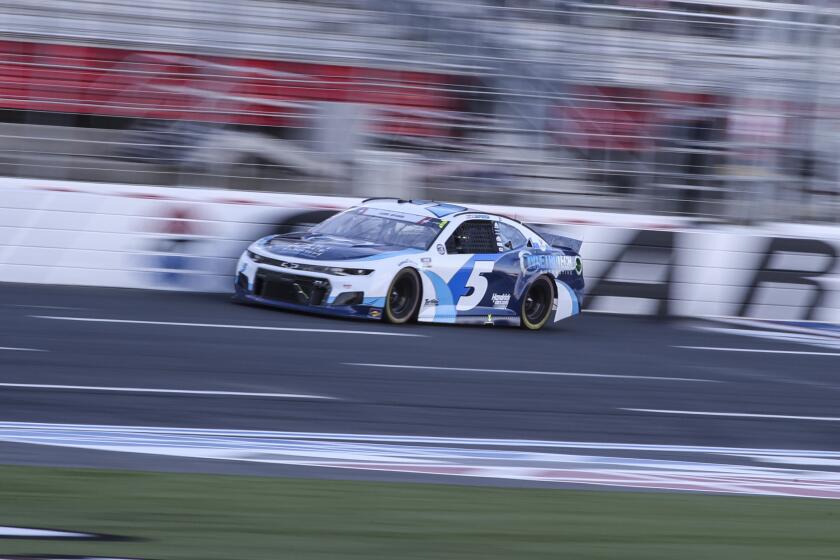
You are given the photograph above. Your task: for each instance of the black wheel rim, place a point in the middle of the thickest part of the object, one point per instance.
(402, 296)
(537, 303)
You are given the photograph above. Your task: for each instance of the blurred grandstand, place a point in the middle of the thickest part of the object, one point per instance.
(728, 110)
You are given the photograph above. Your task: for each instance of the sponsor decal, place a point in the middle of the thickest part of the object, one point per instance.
(546, 262)
(302, 250)
(375, 313)
(489, 320)
(500, 301)
(769, 273)
(382, 213)
(427, 262)
(767, 269)
(431, 302)
(441, 249)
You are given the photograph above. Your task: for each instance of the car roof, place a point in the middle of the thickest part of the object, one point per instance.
(425, 208)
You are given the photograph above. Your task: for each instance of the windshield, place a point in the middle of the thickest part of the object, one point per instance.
(382, 227)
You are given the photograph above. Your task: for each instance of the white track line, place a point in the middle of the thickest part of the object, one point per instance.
(21, 305)
(772, 327)
(735, 414)
(759, 350)
(25, 532)
(528, 372)
(22, 349)
(163, 391)
(223, 326)
(811, 338)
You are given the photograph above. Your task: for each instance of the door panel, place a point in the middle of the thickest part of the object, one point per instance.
(468, 286)
(465, 276)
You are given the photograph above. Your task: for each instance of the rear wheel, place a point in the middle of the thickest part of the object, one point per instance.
(403, 298)
(537, 304)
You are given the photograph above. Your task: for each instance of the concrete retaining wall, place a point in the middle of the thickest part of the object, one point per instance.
(60, 232)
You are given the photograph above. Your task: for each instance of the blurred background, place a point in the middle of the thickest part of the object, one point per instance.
(694, 146)
(726, 110)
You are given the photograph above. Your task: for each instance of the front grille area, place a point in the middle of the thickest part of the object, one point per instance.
(290, 288)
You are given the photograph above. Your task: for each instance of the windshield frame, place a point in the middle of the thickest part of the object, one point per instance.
(433, 224)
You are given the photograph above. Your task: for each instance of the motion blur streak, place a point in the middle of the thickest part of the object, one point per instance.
(677, 158)
(723, 108)
(223, 326)
(526, 372)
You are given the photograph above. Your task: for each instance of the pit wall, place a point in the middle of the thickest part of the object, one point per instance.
(55, 232)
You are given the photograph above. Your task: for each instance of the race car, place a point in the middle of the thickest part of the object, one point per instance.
(404, 260)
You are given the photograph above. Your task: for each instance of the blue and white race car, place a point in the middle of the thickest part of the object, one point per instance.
(403, 261)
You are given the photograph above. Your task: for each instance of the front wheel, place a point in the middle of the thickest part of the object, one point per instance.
(537, 304)
(403, 298)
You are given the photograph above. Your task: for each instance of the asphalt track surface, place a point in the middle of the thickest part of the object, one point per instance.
(182, 360)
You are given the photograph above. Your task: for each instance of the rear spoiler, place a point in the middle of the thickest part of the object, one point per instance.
(562, 242)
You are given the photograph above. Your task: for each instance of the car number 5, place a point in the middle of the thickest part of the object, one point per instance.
(478, 283)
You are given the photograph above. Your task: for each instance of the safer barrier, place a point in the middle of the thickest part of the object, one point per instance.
(56, 232)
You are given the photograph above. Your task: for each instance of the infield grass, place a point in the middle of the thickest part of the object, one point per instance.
(208, 517)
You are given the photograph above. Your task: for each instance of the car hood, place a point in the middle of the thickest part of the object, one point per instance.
(327, 248)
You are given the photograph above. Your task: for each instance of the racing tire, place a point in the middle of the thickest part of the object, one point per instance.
(537, 304)
(403, 300)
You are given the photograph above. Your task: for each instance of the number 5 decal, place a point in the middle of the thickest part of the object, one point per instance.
(478, 283)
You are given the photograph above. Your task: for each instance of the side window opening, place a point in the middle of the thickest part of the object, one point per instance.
(473, 237)
(511, 238)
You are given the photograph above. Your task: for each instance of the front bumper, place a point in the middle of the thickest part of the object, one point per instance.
(310, 294)
(355, 311)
